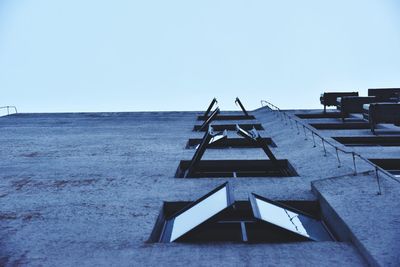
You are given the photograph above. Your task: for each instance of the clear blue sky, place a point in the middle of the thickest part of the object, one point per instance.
(93, 55)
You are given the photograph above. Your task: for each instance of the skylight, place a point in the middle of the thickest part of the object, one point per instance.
(287, 218)
(198, 213)
(218, 217)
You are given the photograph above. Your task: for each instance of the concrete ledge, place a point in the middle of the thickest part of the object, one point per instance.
(355, 213)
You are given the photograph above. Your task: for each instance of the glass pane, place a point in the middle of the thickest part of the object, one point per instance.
(199, 213)
(281, 217)
(216, 138)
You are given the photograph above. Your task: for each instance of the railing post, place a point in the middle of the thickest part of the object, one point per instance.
(377, 180)
(312, 133)
(337, 155)
(354, 163)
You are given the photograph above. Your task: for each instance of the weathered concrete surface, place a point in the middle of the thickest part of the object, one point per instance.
(87, 188)
(374, 220)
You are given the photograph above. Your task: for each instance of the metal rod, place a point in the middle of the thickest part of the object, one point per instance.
(354, 163)
(305, 134)
(377, 180)
(237, 101)
(244, 232)
(337, 155)
(210, 107)
(209, 120)
(323, 144)
(199, 152)
(312, 133)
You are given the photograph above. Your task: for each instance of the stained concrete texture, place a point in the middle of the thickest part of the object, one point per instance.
(86, 188)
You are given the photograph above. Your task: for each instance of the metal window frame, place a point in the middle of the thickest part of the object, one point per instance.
(169, 223)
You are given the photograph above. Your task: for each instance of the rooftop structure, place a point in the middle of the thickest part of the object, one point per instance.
(261, 187)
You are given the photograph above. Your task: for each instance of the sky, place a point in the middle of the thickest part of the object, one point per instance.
(120, 55)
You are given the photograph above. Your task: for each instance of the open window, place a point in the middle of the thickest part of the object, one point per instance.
(218, 217)
(209, 137)
(198, 168)
(368, 140)
(286, 218)
(196, 214)
(229, 142)
(341, 126)
(229, 127)
(326, 115)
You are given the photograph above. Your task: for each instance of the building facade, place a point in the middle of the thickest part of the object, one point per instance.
(92, 188)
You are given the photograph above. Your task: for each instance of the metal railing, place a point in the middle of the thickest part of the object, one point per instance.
(8, 109)
(290, 119)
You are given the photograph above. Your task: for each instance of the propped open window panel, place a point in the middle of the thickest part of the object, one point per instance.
(197, 213)
(218, 217)
(198, 168)
(304, 226)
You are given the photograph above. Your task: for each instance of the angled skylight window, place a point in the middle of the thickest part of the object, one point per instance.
(217, 217)
(288, 218)
(197, 213)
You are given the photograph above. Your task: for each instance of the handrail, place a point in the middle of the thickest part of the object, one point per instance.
(8, 109)
(270, 106)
